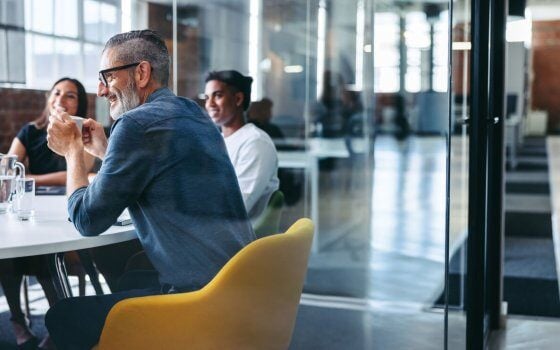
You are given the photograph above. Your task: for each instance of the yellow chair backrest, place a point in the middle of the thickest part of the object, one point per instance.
(250, 304)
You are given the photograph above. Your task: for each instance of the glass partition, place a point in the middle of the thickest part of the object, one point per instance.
(458, 171)
(355, 94)
(411, 123)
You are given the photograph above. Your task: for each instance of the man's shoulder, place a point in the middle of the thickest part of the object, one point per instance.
(162, 109)
(250, 137)
(257, 135)
(251, 132)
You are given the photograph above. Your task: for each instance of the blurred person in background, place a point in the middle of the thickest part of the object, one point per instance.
(251, 150)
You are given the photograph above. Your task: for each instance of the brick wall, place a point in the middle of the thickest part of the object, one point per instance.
(545, 90)
(19, 106)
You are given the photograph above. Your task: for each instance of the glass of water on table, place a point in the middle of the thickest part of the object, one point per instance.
(25, 197)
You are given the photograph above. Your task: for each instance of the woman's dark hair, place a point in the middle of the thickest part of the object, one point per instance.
(43, 120)
(236, 80)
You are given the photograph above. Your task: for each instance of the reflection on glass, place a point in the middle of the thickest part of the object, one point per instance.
(458, 171)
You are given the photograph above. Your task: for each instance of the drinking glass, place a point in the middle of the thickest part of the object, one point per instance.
(25, 196)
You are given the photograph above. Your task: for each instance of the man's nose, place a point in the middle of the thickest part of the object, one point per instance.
(101, 89)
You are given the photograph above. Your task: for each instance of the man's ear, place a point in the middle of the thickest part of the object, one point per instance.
(239, 99)
(143, 74)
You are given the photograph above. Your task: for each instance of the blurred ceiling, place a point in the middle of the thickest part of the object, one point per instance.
(540, 9)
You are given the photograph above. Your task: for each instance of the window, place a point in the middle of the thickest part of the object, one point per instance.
(66, 18)
(11, 13)
(101, 21)
(441, 54)
(41, 16)
(386, 52)
(58, 40)
(417, 38)
(12, 67)
(418, 45)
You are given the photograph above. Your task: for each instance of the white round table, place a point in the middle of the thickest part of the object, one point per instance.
(50, 232)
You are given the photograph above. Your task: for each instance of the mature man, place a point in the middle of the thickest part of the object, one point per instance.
(250, 149)
(167, 163)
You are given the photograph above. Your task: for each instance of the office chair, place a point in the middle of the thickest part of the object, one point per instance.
(250, 304)
(78, 263)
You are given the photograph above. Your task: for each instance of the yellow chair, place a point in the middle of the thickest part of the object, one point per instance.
(250, 304)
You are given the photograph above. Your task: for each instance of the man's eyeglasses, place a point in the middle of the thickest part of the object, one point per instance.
(105, 77)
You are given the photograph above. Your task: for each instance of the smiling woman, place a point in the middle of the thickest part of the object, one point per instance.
(30, 144)
(47, 168)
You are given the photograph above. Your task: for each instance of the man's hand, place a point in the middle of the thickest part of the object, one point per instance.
(94, 139)
(63, 135)
(64, 138)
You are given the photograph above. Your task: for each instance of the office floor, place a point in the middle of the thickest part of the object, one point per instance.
(375, 288)
(382, 284)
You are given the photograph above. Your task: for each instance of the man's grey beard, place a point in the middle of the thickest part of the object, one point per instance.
(127, 99)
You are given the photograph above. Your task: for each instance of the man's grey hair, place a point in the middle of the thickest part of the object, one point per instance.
(142, 45)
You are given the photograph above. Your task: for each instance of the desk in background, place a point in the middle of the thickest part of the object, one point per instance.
(311, 151)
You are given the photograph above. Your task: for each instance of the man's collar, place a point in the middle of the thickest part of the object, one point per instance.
(162, 91)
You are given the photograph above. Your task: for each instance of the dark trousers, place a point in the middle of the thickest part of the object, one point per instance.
(76, 323)
(111, 260)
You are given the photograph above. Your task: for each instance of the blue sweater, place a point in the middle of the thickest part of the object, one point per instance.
(166, 161)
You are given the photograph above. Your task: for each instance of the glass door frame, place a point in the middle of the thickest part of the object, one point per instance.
(496, 163)
(486, 171)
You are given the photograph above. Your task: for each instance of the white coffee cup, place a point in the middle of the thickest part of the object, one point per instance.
(79, 122)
